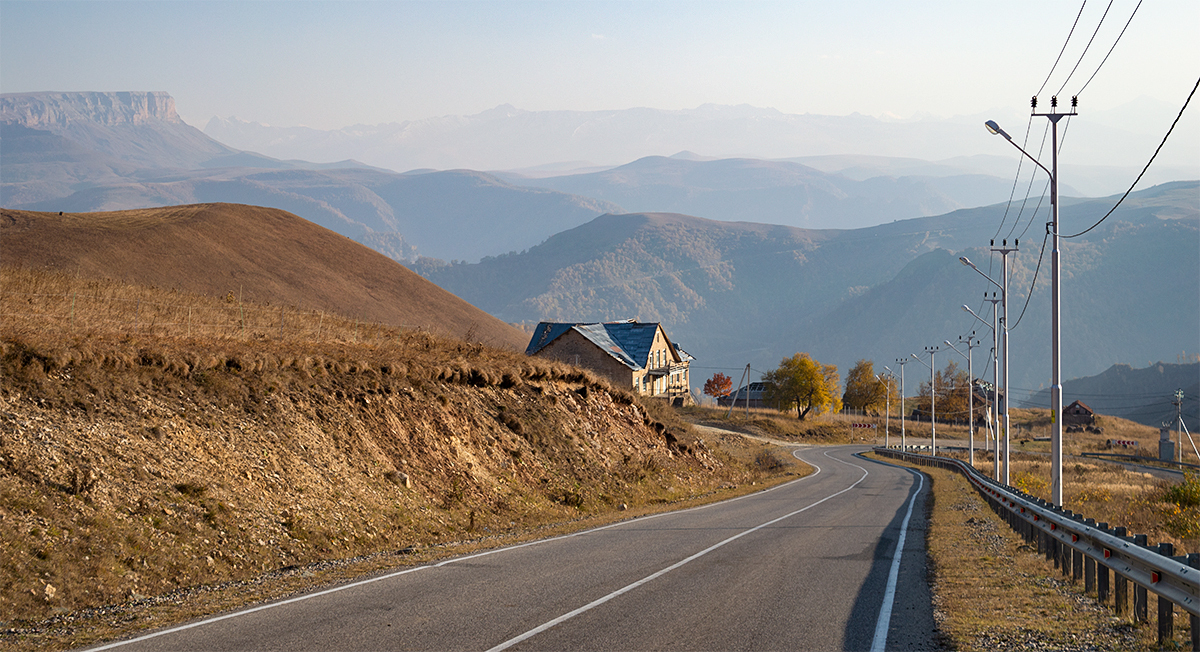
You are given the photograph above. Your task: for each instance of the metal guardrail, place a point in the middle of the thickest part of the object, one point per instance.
(1084, 548)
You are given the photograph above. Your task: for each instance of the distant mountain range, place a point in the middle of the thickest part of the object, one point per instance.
(738, 293)
(509, 138)
(556, 242)
(776, 192)
(1143, 395)
(83, 152)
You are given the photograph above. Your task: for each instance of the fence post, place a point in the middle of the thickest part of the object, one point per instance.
(1141, 606)
(1166, 608)
(1122, 588)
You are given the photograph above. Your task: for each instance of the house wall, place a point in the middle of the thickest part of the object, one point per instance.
(1077, 416)
(661, 356)
(576, 349)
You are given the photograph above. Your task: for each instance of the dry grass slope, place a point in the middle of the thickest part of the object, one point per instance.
(258, 255)
(138, 460)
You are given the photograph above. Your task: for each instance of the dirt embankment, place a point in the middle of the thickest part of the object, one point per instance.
(131, 467)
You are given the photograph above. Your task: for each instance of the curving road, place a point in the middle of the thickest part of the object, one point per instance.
(808, 565)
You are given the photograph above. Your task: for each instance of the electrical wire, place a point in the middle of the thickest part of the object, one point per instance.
(1110, 50)
(1085, 49)
(1064, 47)
(1143, 172)
(1034, 284)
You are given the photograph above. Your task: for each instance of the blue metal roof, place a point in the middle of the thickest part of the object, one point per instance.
(628, 342)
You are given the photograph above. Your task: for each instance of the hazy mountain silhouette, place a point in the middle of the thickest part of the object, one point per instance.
(85, 152)
(1145, 395)
(732, 293)
(776, 192)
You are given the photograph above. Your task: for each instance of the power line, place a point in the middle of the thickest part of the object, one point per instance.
(1085, 49)
(1064, 47)
(1110, 50)
(1139, 176)
(1034, 284)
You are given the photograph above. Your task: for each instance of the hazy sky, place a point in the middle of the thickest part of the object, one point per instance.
(334, 64)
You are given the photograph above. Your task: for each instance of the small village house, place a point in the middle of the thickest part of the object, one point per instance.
(1078, 414)
(631, 354)
(751, 395)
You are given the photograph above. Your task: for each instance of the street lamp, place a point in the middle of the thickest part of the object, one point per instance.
(903, 439)
(1004, 340)
(1056, 429)
(931, 350)
(995, 379)
(887, 402)
(971, 344)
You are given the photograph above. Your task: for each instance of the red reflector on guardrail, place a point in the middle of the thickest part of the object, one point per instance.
(1053, 526)
(1107, 553)
(1074, 538)
(1035, 517)
(1154, 577)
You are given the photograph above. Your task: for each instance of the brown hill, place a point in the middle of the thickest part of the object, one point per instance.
(261, 255)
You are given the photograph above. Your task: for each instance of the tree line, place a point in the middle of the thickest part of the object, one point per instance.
(807, 386)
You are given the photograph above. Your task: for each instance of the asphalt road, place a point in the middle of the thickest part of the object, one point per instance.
(808, 565)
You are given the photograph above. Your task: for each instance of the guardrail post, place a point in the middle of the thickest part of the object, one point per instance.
(1141, 606)
(1193, 560)
(1121, 600)
(1102, 574)
(1089, 565)
(1166, 608)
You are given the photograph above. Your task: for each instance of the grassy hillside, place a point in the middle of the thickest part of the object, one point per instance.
(251, 254)
(137, 463)
(732, 293)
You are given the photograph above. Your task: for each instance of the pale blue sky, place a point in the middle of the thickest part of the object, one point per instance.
(334, 64)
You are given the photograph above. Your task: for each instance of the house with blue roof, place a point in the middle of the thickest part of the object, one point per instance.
(631, 354)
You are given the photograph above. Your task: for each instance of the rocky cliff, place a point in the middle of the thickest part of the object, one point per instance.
(140, 127)
(59, 110)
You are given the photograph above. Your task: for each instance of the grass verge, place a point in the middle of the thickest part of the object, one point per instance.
(993, 592)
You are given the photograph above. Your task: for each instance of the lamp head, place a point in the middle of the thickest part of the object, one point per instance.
(948, 343)
(995, 129)
(966, 261)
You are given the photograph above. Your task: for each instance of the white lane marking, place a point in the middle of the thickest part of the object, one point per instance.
(372, 580)
(649, 578)
(889, 593)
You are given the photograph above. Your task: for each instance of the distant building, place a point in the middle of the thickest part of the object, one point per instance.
(631, 354)
(748, 396)
(1078, 414)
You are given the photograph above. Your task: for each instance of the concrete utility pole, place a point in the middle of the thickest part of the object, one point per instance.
(971, 343)
(1004, 251)
(887, 402)
(1056, 426)
(903, 441)
(932, 351)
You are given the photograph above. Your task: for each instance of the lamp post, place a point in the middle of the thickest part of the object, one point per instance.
(887, 402)
(1003, 340)
(903, 439)
(995, 379)
(971, 344)
(932, 351)
(1056, 428)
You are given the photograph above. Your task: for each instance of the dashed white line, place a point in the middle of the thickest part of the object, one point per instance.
(649, 578)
